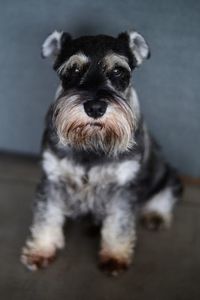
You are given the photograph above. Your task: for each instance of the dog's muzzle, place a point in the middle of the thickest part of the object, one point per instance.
(95, 108)
(104, 122)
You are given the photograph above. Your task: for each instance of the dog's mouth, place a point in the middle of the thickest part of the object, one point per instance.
(94, 125)
(90, 125)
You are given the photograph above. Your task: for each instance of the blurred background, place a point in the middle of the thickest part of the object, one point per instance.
(168, 84)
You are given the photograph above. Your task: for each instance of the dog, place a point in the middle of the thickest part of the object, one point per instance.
(98, 156)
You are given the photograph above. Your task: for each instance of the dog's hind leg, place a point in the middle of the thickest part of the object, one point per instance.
(157, 212)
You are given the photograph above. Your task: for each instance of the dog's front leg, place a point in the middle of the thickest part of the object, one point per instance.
(46, 232)
(118, 237)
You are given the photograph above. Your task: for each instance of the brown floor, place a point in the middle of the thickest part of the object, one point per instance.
(166, 265)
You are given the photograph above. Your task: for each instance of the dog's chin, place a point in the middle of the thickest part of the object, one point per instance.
(97, 137)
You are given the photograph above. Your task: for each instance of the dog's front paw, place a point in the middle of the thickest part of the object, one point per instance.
(113, 265)
(34, 257)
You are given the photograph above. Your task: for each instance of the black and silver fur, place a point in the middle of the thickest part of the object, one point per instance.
(97, 154)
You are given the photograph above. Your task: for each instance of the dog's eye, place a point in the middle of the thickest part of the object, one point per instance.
(75, 69)
(117, 72)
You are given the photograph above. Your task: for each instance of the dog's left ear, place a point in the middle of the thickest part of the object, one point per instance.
(53, 43)
(137, 45)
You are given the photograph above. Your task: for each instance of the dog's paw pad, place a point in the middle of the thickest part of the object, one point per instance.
(35, 260)
(154, 221)
(113, 266)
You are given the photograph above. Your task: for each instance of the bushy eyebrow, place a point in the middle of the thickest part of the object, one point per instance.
(112, 59)
(78, 59)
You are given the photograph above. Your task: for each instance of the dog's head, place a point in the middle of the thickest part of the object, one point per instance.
(93, 108)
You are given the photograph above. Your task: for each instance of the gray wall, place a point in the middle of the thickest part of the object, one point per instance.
(168, 84)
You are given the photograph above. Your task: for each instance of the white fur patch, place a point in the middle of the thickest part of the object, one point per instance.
(98, 176)
(46, 233)
(114, 241)
(47, 228)
(113, 60)
(134, 102)
(138, 46)
(120, 173)
(161, 203)
(127, 171)
(57, 169)
(51, 45)
(48, 237)
(78, 59)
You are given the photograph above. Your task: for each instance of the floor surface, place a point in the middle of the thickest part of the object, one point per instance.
(166, 264)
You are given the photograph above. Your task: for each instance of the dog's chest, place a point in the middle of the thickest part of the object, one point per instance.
(87, 186)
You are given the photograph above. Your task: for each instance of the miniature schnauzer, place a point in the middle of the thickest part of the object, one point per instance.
(97, 155)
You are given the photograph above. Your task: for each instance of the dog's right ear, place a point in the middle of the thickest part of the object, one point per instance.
(53, 43)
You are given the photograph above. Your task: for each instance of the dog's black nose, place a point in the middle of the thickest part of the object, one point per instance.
(95, 109)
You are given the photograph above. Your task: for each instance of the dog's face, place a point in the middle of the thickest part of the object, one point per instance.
(92, 110)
